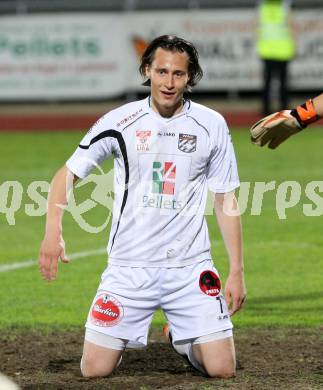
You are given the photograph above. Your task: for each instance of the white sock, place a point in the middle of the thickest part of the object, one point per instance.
(187, 349)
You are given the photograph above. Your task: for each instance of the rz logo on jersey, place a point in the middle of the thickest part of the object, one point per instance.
(187, 143)
(106, 311)
(210, 283)
(164, 176)
(143, 140)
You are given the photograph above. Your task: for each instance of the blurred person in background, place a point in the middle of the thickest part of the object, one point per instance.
(276, 48)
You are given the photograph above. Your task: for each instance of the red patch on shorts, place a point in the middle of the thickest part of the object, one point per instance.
(106, 311)
(210, 283)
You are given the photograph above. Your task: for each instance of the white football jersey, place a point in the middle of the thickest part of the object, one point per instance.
(163, 168)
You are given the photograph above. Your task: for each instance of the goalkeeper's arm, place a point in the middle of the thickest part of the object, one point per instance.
(309, 112)
(318, 105)
(276, 128)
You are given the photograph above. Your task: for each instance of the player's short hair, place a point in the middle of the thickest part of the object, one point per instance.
(174, 44)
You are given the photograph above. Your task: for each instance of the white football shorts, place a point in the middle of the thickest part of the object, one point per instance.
(190, 297)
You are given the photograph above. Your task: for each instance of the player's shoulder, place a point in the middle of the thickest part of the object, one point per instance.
(210, 119)
(120, 117)
(206, 114)
(128, 113)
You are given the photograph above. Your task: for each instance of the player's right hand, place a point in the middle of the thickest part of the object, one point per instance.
(51, 250)
(275, 129)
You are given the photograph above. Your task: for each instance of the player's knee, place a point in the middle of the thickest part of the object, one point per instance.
(95, 368)
(224, 371)
(224, 374)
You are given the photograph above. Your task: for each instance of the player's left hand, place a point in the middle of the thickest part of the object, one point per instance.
(235, 291)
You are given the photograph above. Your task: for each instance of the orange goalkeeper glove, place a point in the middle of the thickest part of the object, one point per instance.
(276, 128)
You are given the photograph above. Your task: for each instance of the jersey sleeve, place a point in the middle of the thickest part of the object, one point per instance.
(222, 172)
(96, 146)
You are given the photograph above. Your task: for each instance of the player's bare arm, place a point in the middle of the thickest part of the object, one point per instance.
(277, 127)
(53, 246)
(230, 227)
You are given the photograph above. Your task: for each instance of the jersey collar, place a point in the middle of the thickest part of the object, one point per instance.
(186, 109)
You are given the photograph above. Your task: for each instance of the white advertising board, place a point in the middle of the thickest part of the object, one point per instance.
(61, 56)
(225, 41)
(96, 55)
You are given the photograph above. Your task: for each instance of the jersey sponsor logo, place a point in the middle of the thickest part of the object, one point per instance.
(163, 184)
(129, 118)
(210, 283)
(160, 202)
(143, 140)
(187, 143)
(164, 177)
(106, 311)
(166, 134)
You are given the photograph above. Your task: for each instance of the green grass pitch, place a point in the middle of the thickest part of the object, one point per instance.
(283, 257)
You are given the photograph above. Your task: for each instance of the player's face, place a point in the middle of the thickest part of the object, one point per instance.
(168, 74)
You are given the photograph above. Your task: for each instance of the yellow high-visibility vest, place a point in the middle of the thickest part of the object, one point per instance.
(275, 41)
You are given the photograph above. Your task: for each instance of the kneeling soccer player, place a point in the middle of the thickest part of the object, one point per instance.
(167, 152)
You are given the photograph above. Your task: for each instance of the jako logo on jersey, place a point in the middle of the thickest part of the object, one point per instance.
(210, 283)
(164, 176)
(166, 134)
(187, 143)
(106, 311)
(143, 140)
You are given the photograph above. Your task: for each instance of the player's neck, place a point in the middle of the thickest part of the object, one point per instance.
(167, 112)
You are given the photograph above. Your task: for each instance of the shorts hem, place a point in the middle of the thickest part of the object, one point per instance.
(201, 334)
(133, 344)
